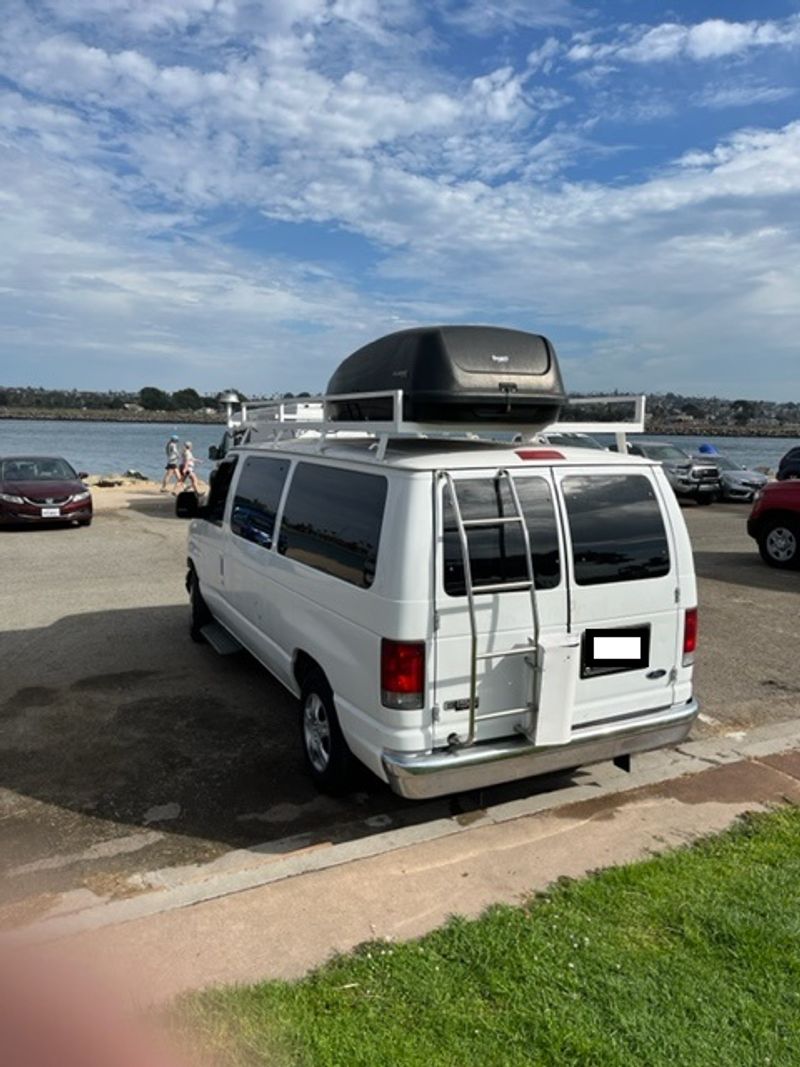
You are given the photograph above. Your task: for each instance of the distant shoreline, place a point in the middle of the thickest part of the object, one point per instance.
(671, 429)
(111, 415)
(684, 429)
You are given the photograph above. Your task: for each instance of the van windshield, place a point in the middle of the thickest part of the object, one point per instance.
(723, 462)
(36, 469)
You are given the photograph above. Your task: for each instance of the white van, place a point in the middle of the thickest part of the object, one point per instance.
(452, 613)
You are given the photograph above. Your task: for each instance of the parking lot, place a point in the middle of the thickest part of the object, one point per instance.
(127, 749)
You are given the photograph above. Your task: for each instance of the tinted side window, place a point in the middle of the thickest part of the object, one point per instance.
(332, 521)
(257, 495)
(219, 484)
(617, 528)
(497, 553)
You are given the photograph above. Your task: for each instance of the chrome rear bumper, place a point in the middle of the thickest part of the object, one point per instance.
(443, 771)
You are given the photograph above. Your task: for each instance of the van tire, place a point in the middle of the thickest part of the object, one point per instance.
(330, 762)
(201, 616)
(779, 543)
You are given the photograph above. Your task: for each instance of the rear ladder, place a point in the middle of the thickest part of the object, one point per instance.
(532, 653)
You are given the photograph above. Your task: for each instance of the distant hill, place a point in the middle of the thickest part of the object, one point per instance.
(670, 413)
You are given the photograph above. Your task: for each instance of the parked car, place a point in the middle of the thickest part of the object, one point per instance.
(42, 489)
(329, 569)
(789, 466)
(737, 482)
(774, 523)
(450, 613)
(692, 478)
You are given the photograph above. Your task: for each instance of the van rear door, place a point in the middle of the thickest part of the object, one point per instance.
(504, 618)
(624, 592)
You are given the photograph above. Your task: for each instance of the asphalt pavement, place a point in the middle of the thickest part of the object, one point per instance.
(125, 749)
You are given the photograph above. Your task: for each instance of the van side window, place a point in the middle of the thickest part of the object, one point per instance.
(219, 484)
(497, 553)
(255, 504)
(617, 528)
(332, 521)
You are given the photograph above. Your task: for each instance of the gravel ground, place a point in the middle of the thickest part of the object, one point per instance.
(125, 748)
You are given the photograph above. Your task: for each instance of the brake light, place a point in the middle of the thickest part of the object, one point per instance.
(689, 636)
(402, 673)
(539, 453)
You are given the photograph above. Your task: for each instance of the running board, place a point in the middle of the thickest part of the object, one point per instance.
(223, 642)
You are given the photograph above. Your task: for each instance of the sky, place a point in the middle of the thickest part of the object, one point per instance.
(238, 193)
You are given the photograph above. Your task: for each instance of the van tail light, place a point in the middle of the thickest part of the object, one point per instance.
(402, 674)
(689, 636)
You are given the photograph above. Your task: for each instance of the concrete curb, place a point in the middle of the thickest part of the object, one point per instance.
(184, 888)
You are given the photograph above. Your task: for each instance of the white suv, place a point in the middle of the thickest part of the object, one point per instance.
(453, 614)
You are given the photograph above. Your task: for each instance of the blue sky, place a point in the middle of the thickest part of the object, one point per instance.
(217, 192)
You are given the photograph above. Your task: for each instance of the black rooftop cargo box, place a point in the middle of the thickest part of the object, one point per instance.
(453, 374)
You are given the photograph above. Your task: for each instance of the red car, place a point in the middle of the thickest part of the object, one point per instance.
(42, 489)
(775, 524)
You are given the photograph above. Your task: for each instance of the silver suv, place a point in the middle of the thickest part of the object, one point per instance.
(691, 477)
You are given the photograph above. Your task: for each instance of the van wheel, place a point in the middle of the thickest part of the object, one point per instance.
(201, 616)
(779, 544)
(330, 761)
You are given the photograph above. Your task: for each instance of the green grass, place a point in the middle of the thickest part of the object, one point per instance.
(691, 958)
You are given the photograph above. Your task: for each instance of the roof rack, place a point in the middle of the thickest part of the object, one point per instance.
(276, 420)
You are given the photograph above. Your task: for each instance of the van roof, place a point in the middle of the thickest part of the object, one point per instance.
(434, 454)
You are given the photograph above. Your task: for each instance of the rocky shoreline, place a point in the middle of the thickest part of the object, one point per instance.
(710, 429)
(112, 415)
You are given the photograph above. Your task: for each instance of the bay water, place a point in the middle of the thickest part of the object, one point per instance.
(114, 447)
(108, 447)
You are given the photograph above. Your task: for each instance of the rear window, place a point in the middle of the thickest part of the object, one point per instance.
(332, 521)
(255, 504)
(618, 532)
(497, 553)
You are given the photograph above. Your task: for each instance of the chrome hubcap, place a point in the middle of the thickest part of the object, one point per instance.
(781, 544)
(317, 732)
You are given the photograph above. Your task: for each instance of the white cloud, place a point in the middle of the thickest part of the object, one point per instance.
(712, 39)
(742, 94)
(543, 57)
(483, 17)
(124, 142)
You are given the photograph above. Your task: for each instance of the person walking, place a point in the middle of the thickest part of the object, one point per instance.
(173, 462)
(187, 468)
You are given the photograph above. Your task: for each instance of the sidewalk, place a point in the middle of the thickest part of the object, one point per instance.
(278, 918)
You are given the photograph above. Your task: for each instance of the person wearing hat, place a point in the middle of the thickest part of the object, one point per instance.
(173, 462)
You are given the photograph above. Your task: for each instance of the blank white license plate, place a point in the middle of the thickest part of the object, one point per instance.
(615, 650)
(51, 513)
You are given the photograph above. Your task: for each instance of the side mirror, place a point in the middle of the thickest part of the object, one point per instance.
(213, 452)
(82, 475)
(187, 505)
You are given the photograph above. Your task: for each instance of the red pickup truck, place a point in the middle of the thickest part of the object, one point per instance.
(774, 523)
